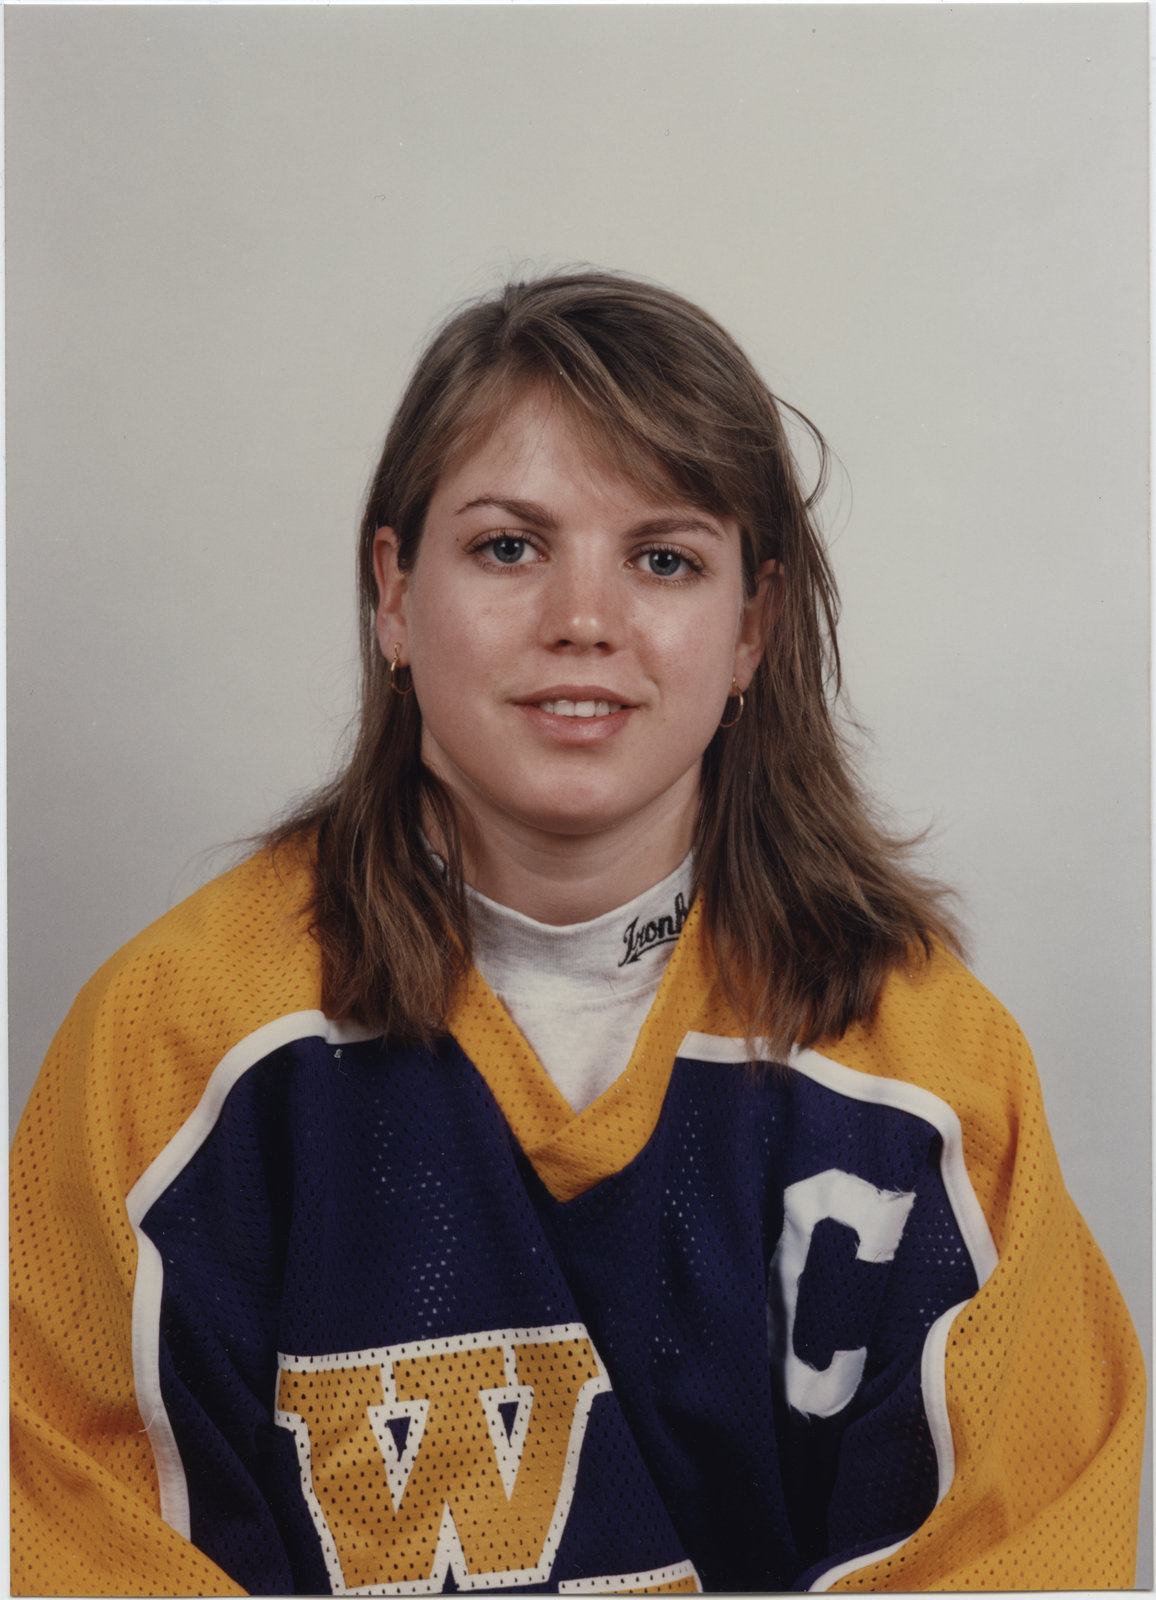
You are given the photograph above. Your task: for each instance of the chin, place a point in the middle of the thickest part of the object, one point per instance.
(570, 821)
(576, 809)
(570, 813)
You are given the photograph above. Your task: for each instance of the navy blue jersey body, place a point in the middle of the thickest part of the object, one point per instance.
(392, 1361)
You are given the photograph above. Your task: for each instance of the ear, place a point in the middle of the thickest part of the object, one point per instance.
(390, 617)
(757, 620)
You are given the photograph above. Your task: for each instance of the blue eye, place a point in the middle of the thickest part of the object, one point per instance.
(508, 549)
(664, 563)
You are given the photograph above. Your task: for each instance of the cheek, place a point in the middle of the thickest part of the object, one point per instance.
(444, 628)
(698, 651)
(459, 653)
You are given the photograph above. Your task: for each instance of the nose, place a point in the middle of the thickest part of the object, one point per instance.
(582, 605)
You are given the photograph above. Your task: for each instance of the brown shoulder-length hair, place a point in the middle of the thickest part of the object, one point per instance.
(808, 901)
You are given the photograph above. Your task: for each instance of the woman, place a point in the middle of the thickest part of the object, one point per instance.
(567, 1157)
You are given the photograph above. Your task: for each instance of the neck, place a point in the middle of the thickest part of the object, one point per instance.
(562, 878)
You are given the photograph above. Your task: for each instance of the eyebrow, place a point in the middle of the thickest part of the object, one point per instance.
(530, 511)
(659, 527)
(520, 510)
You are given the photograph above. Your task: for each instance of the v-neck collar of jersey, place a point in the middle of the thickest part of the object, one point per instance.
(571, 1151)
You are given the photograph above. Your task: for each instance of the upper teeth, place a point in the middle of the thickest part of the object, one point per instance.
(579, 708)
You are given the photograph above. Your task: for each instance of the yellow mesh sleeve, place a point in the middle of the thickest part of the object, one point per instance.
(126, 1069)
(1044, 1378)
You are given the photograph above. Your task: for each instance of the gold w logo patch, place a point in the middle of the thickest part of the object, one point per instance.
(447, 1455)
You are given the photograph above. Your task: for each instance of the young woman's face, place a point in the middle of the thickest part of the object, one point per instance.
(572, 642)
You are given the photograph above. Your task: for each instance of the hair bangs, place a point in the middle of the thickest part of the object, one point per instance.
(635, 432)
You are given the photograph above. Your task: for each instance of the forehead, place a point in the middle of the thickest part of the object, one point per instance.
(537, 447)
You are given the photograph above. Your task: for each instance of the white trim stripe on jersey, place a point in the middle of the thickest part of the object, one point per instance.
(156, 1178)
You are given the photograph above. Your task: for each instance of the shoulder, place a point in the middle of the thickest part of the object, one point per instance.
(257, 911)
(148, 1030)
(937, 1024)
(239, 945)
(938, 1030)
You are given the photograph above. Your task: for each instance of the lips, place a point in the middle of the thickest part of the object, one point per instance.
(581, 713)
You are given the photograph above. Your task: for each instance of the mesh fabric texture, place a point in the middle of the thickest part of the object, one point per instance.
(1041, 1375)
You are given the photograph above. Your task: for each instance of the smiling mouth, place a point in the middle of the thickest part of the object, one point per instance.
(579, 708)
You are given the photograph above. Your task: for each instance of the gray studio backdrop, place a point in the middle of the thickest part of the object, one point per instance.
(229, 230)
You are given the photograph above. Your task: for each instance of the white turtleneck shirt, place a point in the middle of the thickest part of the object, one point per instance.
(580, 993)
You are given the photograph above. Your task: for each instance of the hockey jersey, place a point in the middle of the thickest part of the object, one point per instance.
(302, 1309)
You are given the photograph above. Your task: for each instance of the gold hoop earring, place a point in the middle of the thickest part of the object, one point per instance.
(393, 670)
(735, 690)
